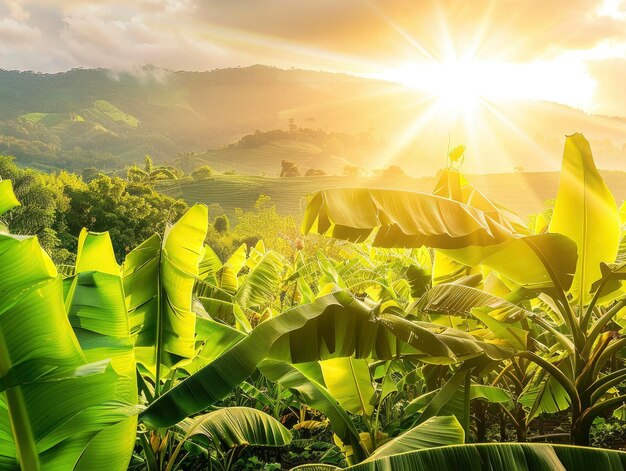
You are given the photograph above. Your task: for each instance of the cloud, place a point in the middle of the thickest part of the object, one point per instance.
(14, 32)
(350, 35)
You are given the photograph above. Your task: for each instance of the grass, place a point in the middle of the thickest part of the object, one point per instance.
(34, 117)
(104, 110)
(101, 113)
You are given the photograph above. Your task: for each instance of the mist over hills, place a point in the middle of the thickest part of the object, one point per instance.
(89, 117)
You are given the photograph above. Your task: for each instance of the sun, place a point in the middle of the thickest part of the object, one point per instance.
(458, 86)
(465, 82)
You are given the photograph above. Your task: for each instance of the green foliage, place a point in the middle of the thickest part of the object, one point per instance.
(129, 212)
(55, 207)
(278, 232)
(289, 169)
(149, 174)
(202, 173)
(238, 352)
(221, 224)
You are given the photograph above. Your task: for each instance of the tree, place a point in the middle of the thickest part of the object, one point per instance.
(131, 212)
(90, 173)
(221, 224)
(149, 174)
(202, 173)
(315, 172)
(289, 169)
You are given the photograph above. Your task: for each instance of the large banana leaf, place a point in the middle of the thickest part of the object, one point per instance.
(500, 456)
(434, 432)
(261, 284)
(237, 426)
(462, 232)
(305, 333)
(95, 253)
(53, 404)
(97, 312)
(302, 379)
(7, 197)
(539, 259)
(349, 381)
(333, 326)
(452, 184)
(438, 344)
(534, 257)
(586, 212)
(451, 400)
(213, 338)
(400, 219)
(158, 283)
(459, 300)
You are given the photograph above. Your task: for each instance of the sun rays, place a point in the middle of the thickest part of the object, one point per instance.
(455, 91)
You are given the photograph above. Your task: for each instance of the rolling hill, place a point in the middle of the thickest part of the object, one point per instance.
(94, 117)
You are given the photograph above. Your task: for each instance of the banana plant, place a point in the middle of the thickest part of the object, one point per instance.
(159, 276)
(564, 265)
(229, 294)
(60, 401)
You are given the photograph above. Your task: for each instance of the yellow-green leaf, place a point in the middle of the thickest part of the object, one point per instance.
(349, 381)
(586, 212)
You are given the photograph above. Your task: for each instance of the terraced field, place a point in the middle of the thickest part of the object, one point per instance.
(524, 193)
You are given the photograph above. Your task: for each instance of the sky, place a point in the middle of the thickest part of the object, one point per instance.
(568, 51)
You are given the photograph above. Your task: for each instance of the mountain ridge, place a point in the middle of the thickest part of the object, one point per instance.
(178, 112)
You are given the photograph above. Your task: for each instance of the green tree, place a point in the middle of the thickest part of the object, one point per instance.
(131, 212)
(221, 224)
(289, 169)
(202, 173)
(149, 174)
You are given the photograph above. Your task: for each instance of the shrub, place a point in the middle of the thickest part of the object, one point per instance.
(315, 172)
(221, 224)
(203, 173)
(289, 169)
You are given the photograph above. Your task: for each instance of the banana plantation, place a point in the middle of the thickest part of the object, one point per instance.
(442, 332)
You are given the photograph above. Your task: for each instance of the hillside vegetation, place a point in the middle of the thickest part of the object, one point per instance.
(94, 118)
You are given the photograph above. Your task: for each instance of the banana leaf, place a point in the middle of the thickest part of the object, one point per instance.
(237, 426)
(434, 432)
(586, 212)
(400, 219)
(97, 312)
(7, 197)
(306, 380)
(158, 283)
(504, 456)
(53, 404)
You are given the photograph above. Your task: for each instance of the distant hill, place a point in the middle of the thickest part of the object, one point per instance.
(525, 193)
(85, 118)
